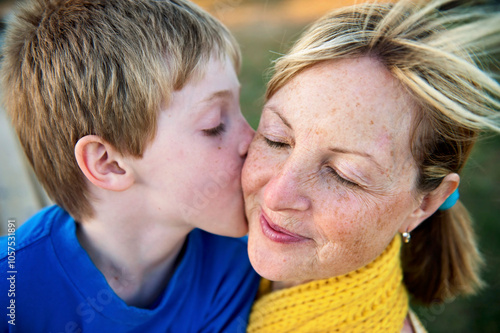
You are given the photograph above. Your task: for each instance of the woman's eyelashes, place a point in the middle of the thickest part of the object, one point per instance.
(215, 131)
(276, 144)
(341, 179)
(331, 171)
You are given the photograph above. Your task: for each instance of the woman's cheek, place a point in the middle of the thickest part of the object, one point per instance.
(345, 217)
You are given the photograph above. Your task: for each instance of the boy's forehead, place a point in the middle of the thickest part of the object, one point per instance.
(214, 62)
(217, 81)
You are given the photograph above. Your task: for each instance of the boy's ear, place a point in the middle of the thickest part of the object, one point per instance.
(431, 202)
(102, 164)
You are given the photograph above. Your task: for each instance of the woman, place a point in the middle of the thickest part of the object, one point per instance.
(367, 125)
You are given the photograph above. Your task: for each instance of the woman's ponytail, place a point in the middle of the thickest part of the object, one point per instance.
(442, 260)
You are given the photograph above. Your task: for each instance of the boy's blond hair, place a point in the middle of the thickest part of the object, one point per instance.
(74, 68)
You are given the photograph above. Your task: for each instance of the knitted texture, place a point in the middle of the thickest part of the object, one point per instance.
(370, 299)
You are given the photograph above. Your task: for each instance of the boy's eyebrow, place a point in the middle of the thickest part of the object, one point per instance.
(218, 94)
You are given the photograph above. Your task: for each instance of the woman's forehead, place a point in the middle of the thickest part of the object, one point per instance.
(350, 92)
(351, 104)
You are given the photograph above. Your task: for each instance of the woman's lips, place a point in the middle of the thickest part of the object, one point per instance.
(276, 233)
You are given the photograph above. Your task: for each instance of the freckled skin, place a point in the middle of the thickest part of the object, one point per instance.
(353, 106)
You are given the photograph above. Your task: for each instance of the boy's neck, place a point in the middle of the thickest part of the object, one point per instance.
(136, 257)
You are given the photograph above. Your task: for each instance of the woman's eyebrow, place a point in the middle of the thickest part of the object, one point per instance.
(283, 119)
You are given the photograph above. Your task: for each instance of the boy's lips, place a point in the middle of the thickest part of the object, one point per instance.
(277, 233)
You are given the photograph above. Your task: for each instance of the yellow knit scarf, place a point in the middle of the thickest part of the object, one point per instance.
(370, 299)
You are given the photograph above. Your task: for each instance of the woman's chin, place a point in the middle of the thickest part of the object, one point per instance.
(264, 264)
(265, 271)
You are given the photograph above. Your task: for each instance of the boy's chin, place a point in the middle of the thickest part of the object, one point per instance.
(236, 227)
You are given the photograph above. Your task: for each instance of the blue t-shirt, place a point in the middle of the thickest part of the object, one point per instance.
(53, 286)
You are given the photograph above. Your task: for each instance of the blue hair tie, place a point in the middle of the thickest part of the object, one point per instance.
(450, 201)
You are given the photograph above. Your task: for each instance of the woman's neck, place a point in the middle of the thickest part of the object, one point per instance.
(277, 285)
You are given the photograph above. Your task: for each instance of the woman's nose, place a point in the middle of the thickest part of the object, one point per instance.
(247, 134)
(286, 190)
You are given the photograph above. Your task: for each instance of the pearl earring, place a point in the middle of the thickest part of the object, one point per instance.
(406, 237)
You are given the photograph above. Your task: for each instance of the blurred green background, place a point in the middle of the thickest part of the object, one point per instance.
(264, 37)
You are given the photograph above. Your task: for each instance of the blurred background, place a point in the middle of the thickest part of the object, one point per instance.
(266, 29)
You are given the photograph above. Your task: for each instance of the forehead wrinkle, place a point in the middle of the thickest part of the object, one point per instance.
(308, 134)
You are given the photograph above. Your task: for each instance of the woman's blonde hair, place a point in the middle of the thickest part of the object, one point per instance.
(435, 52)
(71, 68)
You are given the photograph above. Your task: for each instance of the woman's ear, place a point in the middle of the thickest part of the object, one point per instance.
(102, 164)
(431, 202)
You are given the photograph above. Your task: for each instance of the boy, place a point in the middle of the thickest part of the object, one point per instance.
(128, 111)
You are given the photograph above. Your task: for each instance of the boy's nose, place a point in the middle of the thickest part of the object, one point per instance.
(247, 134)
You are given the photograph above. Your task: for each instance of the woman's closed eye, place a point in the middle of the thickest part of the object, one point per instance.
(215, 131)
(276, 144)
(341, 179)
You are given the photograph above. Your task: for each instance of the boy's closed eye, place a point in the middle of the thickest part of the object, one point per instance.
(215, 131)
